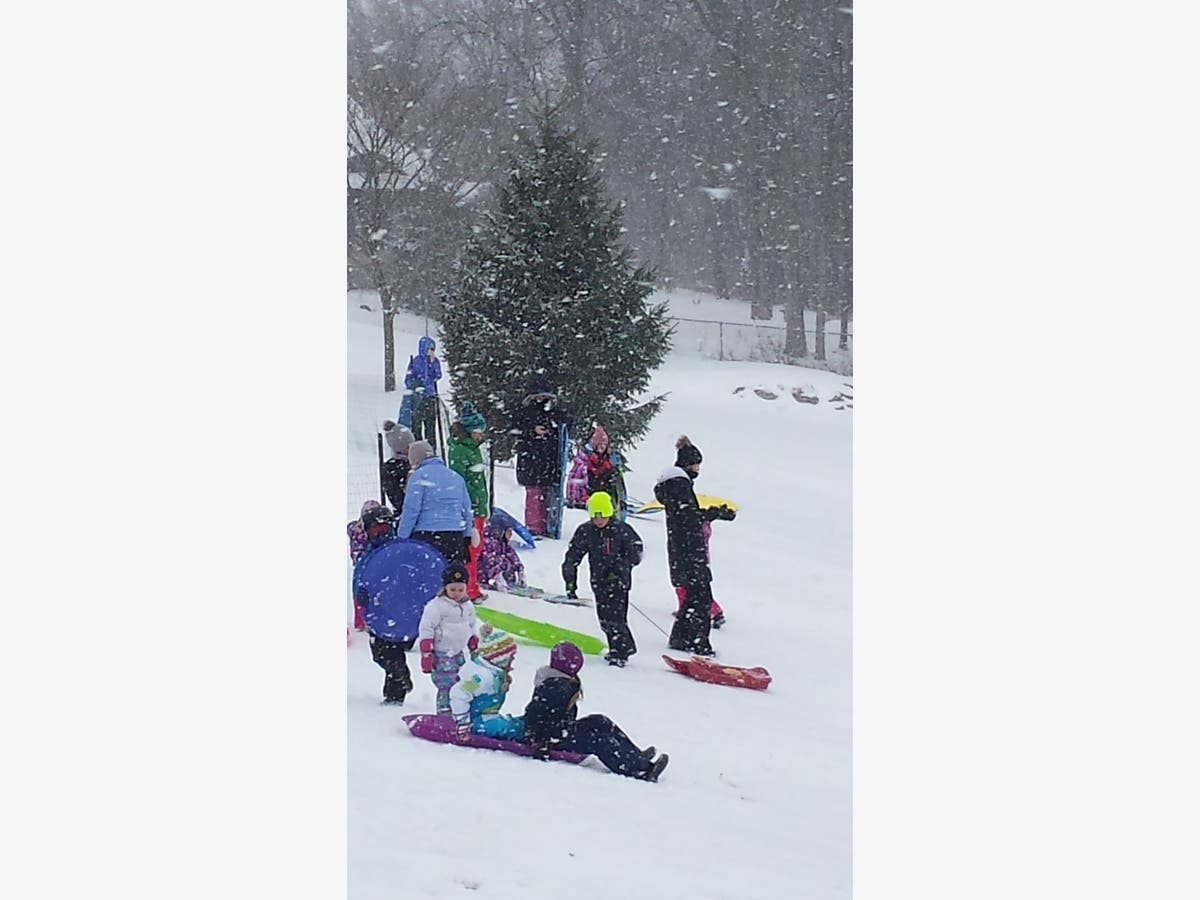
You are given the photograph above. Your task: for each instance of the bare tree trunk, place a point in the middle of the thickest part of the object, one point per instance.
(389, 340)
(795, 339)
(844, 337)
(820, 336)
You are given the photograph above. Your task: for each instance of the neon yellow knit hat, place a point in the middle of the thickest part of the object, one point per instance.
(600, 504)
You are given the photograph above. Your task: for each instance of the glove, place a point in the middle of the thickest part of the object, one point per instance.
(726, 513)
(427, 655)
(521, 580)
(473, 643)
(474, 539)
(539, 751)
(500, 583)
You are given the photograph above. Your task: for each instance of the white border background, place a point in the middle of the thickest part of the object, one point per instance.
(1025, 456)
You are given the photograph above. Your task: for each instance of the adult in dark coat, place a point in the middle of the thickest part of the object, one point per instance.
(686, 553)
(551, 721)
(539, 463)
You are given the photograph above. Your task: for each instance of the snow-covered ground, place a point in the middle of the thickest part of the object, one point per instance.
(756, 801)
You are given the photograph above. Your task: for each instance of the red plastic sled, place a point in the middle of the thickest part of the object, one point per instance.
(442, 730)
(710, 670)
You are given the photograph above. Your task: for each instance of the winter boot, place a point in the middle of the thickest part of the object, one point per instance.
(649, 752)
(618, 661)
(656, 769)
(718, 620)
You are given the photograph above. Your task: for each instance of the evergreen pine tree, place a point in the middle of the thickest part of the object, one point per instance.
(546, 288)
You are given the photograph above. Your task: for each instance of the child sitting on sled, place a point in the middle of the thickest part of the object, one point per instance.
(482, 686)
(499, 564)
(447, 629)
(551, 721)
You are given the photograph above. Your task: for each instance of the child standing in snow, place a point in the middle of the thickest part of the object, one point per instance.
(715, 611)
(466, 459)
(552, 723)
(612, 549)
(357, 534)
(482, 686)
(396, 469)
(388, 652)
(447, 628)
(499, 564)
(601, 472)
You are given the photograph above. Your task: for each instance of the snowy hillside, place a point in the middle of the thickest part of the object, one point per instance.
(756, 800)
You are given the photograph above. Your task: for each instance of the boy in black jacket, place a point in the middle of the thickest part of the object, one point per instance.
(612, 549)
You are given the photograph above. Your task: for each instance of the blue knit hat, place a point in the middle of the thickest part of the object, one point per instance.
(471, 419)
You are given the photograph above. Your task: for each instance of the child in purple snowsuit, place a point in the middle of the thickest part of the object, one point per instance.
(499, 564)
(358, 545)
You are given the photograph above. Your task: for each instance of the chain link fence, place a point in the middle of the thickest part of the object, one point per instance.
(760, 343)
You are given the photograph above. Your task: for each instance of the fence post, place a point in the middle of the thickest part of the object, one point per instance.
(379, 453)
(721, 341)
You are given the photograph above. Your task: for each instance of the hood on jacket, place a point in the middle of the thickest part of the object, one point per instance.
(672, 472)
(424, 344)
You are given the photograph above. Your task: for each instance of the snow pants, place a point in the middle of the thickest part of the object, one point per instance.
(445, 674)
(389, 656)
(451, 544)
(424, 419)
(600, 736)
(681, 595)
(535, 509)
(612, 609)
(473, 590)
(690, 633)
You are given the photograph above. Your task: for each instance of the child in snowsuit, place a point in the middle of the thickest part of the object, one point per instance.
(483, 683)
(601, 472)
(395, 471)
(538, 452)
(357, 534)
(612, 549)
(466, 459)
(499, 564)
(424, 372)
(717, 614)
(447, 628)
(551, 721)
(388, 653)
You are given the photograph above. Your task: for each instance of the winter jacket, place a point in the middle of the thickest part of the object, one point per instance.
(550, 713)
(450, 624)
(577, 480)
(467, 460)
(498, 558)
(687, 552)
(612, 552)
(423, 373)
(436, 500)
(539, 456)
(602, 473)
(357, 534)
(477, 697)
(395, 480)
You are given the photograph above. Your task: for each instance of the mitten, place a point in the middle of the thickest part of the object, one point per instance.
(539, 751)
(500, 583)
(473, 643)
(726, 513)
(427, 655)
(521, 580)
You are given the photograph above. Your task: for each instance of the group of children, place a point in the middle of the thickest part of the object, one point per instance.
(471, 666)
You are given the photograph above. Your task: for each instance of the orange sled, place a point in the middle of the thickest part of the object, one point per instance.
(703, 669)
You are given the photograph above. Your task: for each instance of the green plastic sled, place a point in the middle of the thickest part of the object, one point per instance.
(542, 633)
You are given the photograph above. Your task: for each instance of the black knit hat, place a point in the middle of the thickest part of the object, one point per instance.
(686, 453)
(455, 572)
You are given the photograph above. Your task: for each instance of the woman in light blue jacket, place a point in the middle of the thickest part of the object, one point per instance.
(437, 507)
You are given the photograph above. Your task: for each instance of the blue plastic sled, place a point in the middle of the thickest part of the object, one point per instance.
(400, 577)
(519, 527)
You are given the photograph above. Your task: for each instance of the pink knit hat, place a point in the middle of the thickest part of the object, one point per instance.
(599, 436)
